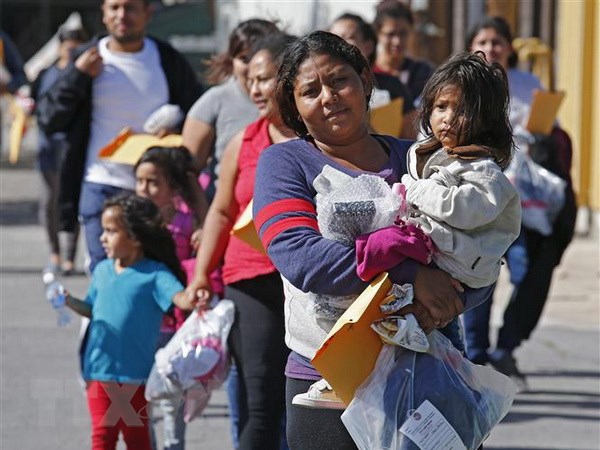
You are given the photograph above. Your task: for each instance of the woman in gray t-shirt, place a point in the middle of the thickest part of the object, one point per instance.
(224, 109)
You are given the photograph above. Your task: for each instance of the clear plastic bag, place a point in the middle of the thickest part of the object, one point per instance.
(542, 192)
(461, 401)
(346, 208)
(195, 361)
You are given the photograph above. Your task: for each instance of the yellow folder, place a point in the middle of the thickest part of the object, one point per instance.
(349, 353)
(387, 119)
(544, 109)
(244, 229)
(17, 130)
(127, 146)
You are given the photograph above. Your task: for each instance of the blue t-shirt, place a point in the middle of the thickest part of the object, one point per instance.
(127, 309)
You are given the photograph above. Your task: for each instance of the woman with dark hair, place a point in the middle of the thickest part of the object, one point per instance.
(492, 36)
(225, 109)
(354, 30)
(532, 259)
(214, 119)
(323, 91)
(394, 24)
(251, 281)
(51, 151)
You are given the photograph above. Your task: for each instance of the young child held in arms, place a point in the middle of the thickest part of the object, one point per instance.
(166, 176)
(128, 295)
(456, 192)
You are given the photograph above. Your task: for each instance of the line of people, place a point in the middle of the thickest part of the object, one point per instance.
(284, 108)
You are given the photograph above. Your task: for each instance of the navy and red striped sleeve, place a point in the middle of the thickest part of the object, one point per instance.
(285, 217)
(286, 221)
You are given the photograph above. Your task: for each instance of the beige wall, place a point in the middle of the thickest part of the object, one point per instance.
(578, 74)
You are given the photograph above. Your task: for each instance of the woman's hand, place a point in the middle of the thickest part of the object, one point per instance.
(436, 295)
(423, 317)
(195, 239)
(200, 289)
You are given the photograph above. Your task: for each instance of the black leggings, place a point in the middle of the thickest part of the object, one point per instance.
(311, 428)
(258, 348)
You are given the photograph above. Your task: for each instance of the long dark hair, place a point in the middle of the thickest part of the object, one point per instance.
(143, 222)
(315, 43)
(177, 165)
(242, 37)
(366, 30)
(500, 26)
(483, 106)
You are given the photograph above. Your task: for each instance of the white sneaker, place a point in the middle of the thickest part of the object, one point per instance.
(319, 395)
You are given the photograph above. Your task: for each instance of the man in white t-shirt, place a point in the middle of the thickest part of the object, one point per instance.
(117, 81)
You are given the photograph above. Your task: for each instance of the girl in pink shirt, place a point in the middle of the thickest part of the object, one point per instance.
(166, 175)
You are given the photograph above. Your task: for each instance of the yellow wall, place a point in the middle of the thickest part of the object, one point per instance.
(578, 73)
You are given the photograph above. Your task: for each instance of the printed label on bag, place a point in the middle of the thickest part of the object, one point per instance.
(430, 430)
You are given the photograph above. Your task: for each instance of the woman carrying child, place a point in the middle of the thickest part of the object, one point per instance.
(455, 189)
(129, 293)
(323, 91)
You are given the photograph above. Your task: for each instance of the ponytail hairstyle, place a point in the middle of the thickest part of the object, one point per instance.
(177, 165)
(241, 39)
(143, 222)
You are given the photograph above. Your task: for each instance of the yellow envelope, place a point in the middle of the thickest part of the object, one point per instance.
(387, 119)
(349, 353)
(244, 229)
(127, 147)
(17, 129)
(544, 109)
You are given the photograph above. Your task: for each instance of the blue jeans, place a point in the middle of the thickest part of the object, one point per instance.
(233, 396)
(477, 332)
(91, 204)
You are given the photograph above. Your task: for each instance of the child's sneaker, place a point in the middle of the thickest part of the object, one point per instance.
(319, 395)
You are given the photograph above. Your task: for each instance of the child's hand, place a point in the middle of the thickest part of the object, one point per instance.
(201, 290)
(185, 301)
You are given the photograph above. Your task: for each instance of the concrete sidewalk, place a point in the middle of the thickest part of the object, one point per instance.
(42, 407)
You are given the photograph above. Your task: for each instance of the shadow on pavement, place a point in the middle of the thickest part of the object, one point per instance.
(37, 270)
(591, 403)
(529, 447)
(518, 416)
(565, 373)
(19, 212)
(565, 393)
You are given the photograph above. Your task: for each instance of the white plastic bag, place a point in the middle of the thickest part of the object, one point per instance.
(542, 192)
(195, 360)
(165, 117)
(400, 330)
(459, 401)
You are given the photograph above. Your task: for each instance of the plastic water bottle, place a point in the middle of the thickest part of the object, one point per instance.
(55, 294)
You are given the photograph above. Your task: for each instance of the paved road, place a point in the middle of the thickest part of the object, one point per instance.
(42, 407)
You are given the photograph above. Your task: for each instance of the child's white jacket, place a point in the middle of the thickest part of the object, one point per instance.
(470, 210)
